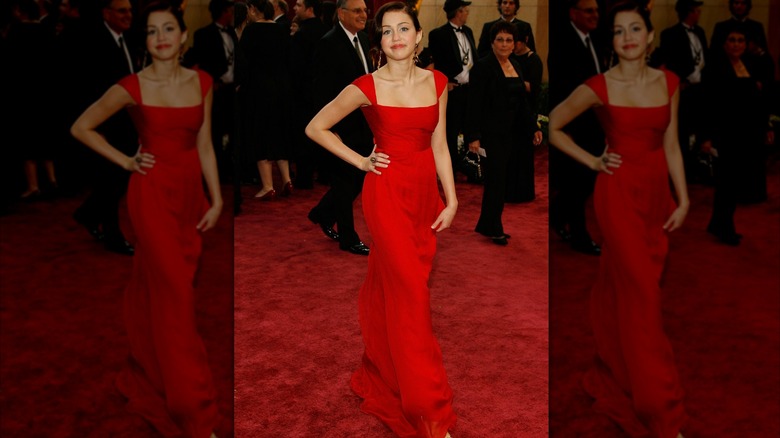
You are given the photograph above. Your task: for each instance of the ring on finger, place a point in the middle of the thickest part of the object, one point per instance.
(372, 159)
(605, 159)
(138, 159)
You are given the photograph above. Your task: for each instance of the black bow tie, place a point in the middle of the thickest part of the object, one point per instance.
(458, 29)
(689, 29)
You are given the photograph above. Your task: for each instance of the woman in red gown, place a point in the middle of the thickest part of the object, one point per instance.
(167, 379)
(634, 379)
(401, 378)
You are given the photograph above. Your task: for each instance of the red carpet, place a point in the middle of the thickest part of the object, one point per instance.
(298, 339)
(721, 312)
(62, 336)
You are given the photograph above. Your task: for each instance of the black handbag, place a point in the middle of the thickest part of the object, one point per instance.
(471, 166)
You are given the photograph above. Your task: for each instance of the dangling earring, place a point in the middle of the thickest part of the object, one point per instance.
(181, 54)
(612, 59)
(381, 60)
(146, 59)
(416, 57)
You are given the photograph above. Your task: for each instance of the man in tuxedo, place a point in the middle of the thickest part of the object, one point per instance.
(311, 29)
(573, 58)
(212, 51)
(683, 50)
(280, 15)
(754, 30)
(340, 57)
(452, 49)
(107, 57)
(508, 9)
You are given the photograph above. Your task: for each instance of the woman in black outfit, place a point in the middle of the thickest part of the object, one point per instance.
(739, 123)
(264, 89)
(520, 175)
(500, 118)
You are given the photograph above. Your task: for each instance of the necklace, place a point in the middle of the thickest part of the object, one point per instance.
(463, 50)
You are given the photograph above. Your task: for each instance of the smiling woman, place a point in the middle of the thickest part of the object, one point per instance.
(401, 378)
(167, 378)
(634, 379)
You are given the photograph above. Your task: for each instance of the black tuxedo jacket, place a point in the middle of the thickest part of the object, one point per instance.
(569, 64)
(336, 65)
(103, 63)
(301, 64)
(444, 49)
(484, 38)
(675, 50)
(208, 51)
(753, 29)
(284, 22)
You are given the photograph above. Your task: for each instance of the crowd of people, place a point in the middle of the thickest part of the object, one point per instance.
(726, 92)
(338, 96)
(269, 81)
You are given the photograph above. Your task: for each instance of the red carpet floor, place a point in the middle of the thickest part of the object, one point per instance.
(721, 312)
(298, 339)
(62, 337)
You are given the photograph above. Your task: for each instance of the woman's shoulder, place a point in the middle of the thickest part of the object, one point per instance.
(439, 79)
(662, 74)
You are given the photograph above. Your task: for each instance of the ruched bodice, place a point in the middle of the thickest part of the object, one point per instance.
(402, 380)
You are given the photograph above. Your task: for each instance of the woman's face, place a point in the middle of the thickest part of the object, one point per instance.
(630, 37)
(503, 45)
(164, 37)
(399, 37)
(735, 45)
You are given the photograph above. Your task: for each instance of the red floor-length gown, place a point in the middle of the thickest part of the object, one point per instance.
(167, 379)
(402, 379)
(634, 379)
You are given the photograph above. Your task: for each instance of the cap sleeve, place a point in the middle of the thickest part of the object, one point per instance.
(366, 84)
(205, 82)
(131, 84)
(672, 82)
(441, 82)
(598, 84)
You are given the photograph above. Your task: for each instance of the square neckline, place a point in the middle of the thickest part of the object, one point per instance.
(373, 83)
(141, 95)
(666, 85)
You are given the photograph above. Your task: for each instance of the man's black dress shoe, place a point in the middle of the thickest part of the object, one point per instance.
(359, 248)
(731, 239)
(500, 240)
(586, 247)
(562, 232)
(330, 232)
(92, 229)
(120, 246)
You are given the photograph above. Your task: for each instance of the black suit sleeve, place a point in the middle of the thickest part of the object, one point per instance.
(484, 40)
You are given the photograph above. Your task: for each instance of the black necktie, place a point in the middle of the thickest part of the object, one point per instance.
(125, 53)
(590, 50)
(359, 52)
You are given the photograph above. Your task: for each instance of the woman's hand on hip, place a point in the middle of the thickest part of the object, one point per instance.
(374, 161)
(139, 162)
